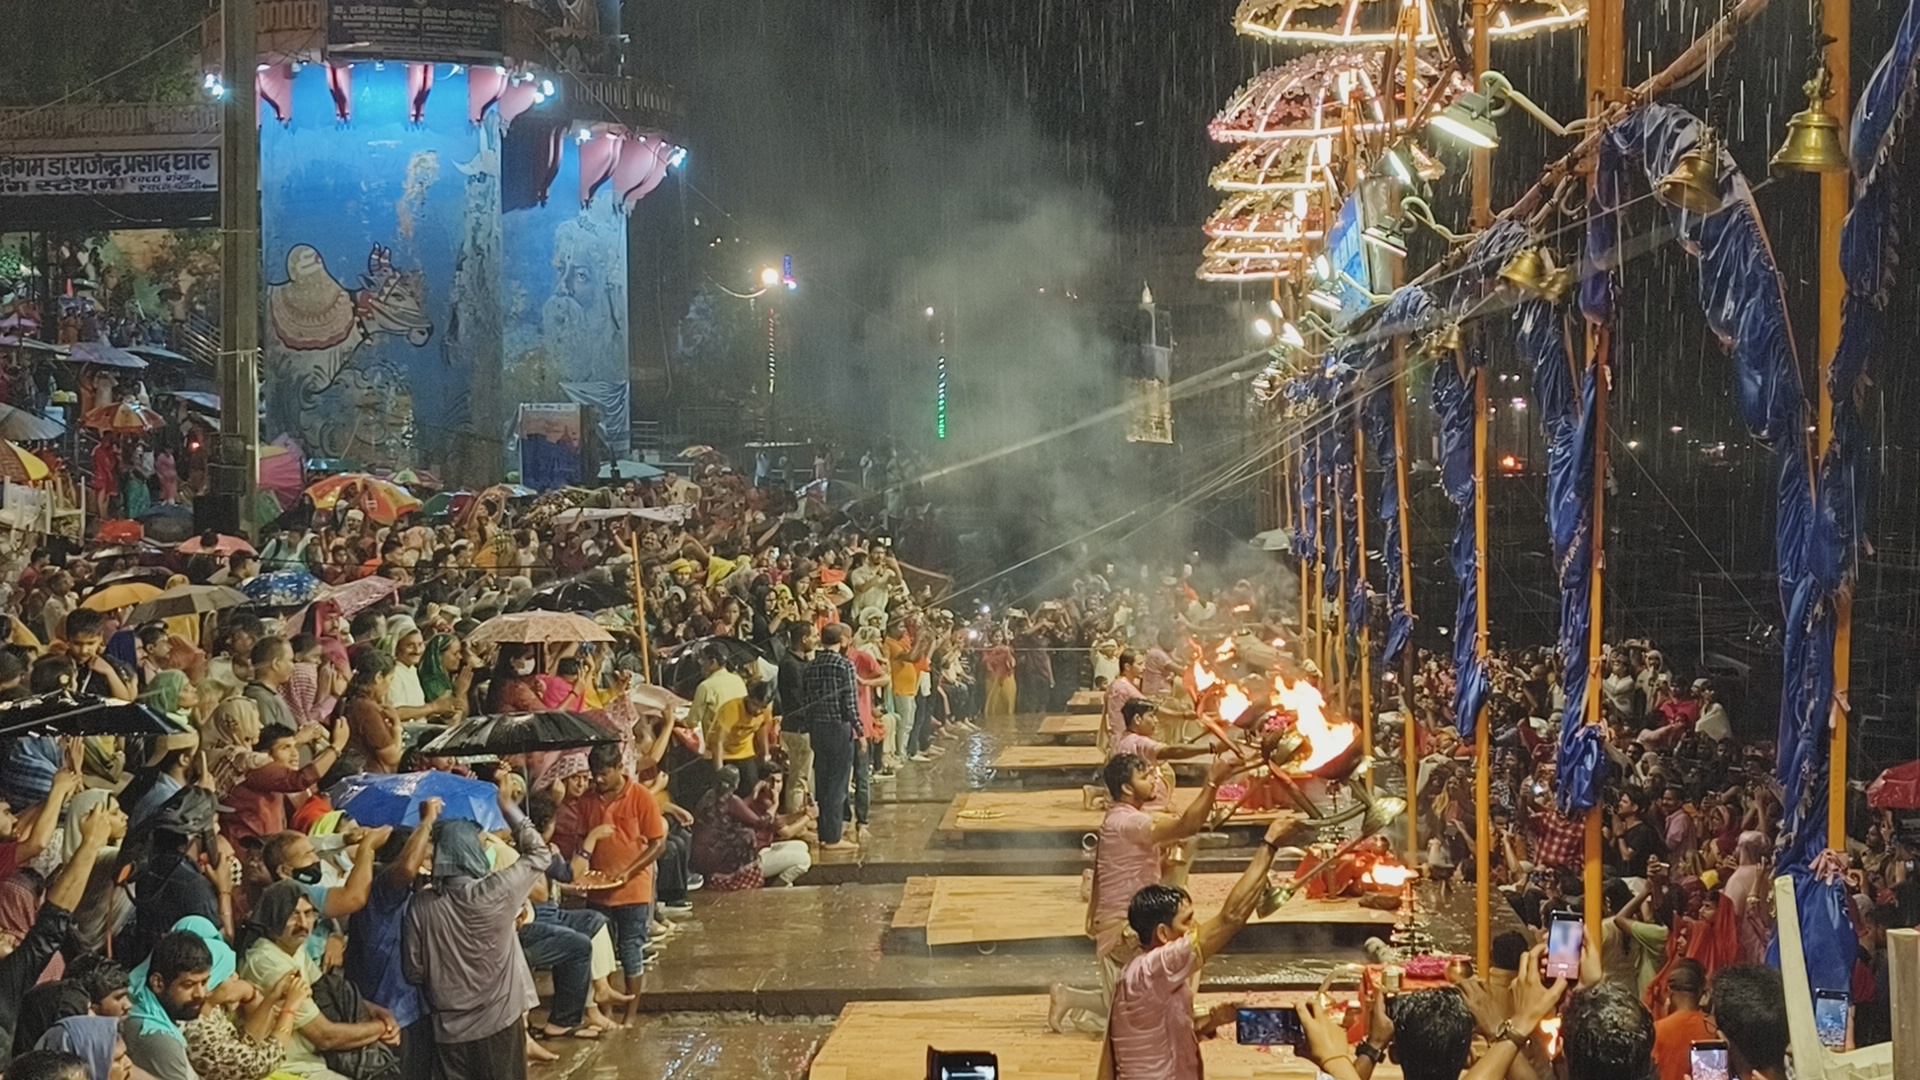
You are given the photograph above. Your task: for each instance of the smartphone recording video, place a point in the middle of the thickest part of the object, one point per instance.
(1566, 935)
(1708, 1060)
(1270, 1027)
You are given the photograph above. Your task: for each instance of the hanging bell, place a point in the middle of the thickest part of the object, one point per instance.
(1526, 271)
(1694, 183)
(1446, 342)
(1813, 136)
(1558, 285)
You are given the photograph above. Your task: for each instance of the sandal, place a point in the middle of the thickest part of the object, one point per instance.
(583, 1031)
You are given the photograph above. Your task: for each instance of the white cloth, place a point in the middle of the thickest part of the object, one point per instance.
(784, 861)
(404, 691)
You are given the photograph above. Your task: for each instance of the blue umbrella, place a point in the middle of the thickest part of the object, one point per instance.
(375, 800)
(285, 588)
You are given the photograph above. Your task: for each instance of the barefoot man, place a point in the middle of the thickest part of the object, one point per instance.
(1129, 858)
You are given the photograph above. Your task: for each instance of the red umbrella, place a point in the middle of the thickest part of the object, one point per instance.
(1896, 789)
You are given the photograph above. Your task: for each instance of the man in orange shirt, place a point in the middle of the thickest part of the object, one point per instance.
(1675, 1034)
(627, 834)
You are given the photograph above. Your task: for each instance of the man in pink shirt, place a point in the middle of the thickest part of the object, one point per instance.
(1139, 741)
(1161, 671)
(1125, 688)
(1153, 1034)
(1127, 860)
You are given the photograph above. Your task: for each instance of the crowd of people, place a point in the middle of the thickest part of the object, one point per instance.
(191, 903)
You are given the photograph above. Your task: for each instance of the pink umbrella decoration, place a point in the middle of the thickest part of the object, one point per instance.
(281, 474)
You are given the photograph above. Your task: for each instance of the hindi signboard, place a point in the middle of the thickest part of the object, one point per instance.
(110, 172)
(422, 30)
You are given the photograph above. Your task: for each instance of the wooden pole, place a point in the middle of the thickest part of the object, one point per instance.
(1834, 189)
(640, 610)
(1341, 585)
(1366, 627)
(1606, 59)
(1482, 742)
(1320, 573)
(1410, 749)
(1409, 724)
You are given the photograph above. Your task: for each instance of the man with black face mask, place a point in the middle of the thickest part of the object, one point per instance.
(289, 856)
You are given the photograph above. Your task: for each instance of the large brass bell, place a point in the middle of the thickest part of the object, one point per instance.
(1445, 343)
(1694, 183)
(1813, 136)
(1526, 271)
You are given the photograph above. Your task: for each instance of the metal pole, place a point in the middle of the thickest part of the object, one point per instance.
(1834, 190)
(640, 610)
(238, 374)
(1319, 605)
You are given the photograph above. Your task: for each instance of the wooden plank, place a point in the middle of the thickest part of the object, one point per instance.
(1084, 759)
(916, 902)
(1056, 810)
(1092, 701)
(981, 910)
(1062, 726)
(888, 1040)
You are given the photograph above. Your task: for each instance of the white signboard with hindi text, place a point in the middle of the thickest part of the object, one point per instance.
(110, 172)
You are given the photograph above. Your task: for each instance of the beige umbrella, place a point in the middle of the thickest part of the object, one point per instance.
(537, 627)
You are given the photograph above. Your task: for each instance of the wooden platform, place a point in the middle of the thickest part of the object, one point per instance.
(1059, 813)
(1085, 760)
(1070, 725)
(1087, 701)
(984, 910)
(888, 1040)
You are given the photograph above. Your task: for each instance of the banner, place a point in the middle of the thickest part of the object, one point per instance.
(110, 172)
(425, 30)
(550, 444)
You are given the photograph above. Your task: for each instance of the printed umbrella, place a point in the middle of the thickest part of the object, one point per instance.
(18, 423)
(126, 418)
(374, 800)
(188, 600)
(519, 733)
(280, 473)
(285, 588)
(21, 466)
(64, 713)
(357, 596)
(524, 627)
(384, 501)
(120, 594)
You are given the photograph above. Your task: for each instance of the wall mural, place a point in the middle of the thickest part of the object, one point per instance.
(409, 311)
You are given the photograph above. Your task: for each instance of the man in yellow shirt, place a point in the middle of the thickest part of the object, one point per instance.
(717, 703)
(904, 653)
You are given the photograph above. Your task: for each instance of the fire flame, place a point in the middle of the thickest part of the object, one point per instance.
(1325, 740)
(1388, 875)
(1203, 679)
(1234, 703)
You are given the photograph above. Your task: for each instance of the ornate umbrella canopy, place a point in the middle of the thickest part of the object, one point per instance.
(1346, 22)
(1276, 165)
(1330, 93)
(1249, 260)
(1276, 217)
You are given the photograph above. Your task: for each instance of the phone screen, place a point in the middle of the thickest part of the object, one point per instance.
(1269, 1027)
(1708, 1061)
(1830, 1017)
(1565, 935)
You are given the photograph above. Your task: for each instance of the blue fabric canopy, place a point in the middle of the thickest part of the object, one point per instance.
(1410, 310)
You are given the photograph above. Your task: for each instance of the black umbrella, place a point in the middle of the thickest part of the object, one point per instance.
(63, 713)
(589, 592)
(518, 733)
(680, 667)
